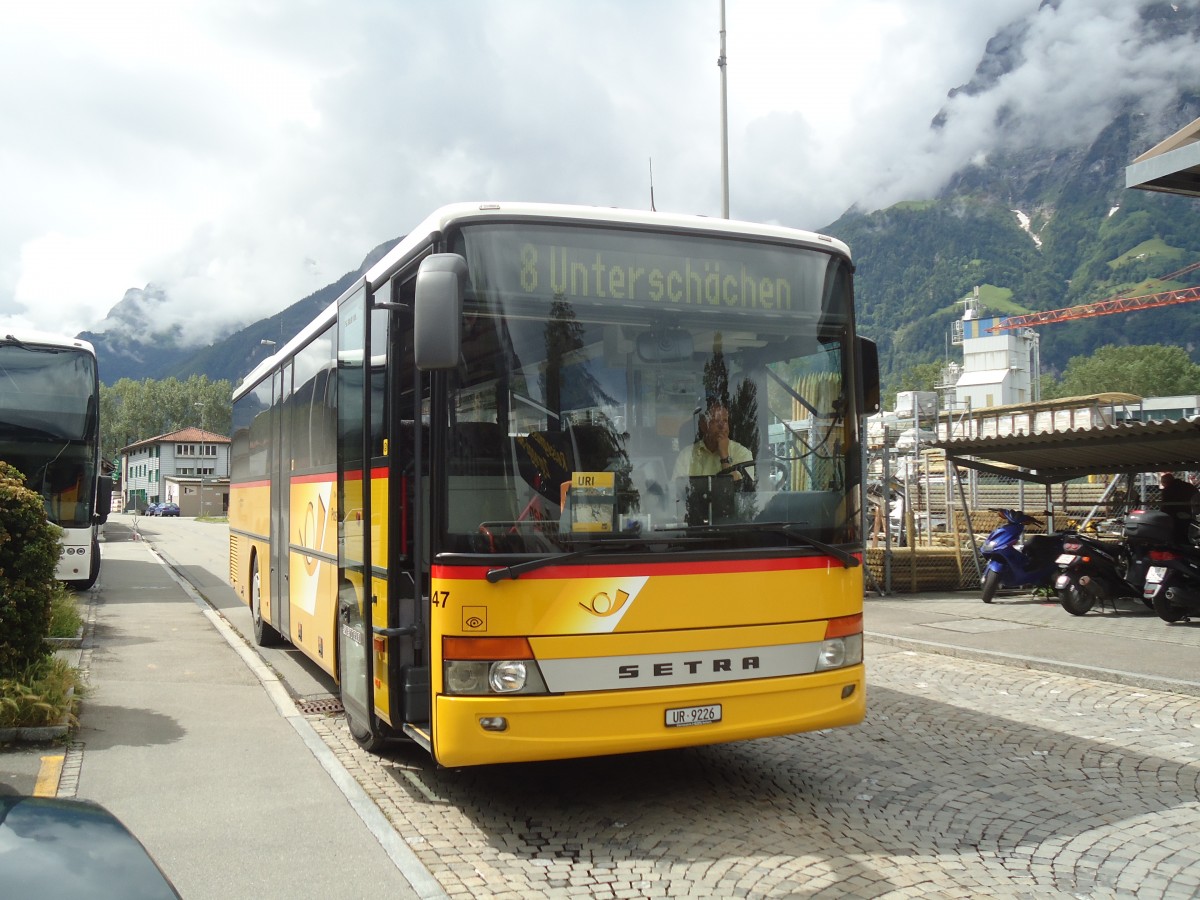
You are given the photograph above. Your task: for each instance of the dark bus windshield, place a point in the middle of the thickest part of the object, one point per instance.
(49, 425)
(649, 386)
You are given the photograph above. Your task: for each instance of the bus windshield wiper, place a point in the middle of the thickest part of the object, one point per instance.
(517, 569)
(847, 560)
(646, 542)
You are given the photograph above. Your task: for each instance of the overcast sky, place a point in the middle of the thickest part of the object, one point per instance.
(242, 154)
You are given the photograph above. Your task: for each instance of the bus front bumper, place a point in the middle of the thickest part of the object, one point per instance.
(611, 722)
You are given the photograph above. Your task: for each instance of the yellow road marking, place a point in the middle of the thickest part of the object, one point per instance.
(48, 776)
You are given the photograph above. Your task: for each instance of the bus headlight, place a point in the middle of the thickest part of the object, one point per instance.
(501, 676)
(466, 677)
(475, 666)
(837, 653)
(508, 676)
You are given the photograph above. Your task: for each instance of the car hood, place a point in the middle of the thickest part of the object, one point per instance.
(53, 849)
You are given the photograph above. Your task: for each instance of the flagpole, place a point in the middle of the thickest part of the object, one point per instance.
(721, 63)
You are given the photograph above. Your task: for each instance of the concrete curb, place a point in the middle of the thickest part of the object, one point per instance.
(1113, 676)
(34, 734)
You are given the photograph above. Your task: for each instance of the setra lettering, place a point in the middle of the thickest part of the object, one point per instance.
(718, 666)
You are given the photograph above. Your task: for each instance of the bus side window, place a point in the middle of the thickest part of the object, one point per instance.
(475, 474)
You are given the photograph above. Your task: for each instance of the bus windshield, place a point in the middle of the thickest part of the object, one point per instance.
(648, 387)
(49, 425)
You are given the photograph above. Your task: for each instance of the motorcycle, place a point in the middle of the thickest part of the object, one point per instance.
(1092, 571)
(1172, 586)
(1013, 563)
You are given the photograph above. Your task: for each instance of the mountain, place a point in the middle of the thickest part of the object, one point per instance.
(1034, 233)
(1038, 226)
(122, 353)
(1041, 220)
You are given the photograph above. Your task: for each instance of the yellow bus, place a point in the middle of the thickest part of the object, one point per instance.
(490, 489)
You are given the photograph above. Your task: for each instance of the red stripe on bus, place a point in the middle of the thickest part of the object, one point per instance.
(317, 478)
(356, 474)
(613, 570)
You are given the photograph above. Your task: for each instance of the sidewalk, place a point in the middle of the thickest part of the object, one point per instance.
(1129, 645)
(194, 744)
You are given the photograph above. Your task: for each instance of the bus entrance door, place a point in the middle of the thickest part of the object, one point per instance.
(354, 517)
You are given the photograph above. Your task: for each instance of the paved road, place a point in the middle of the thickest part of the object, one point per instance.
(968, 779)
(998, 758)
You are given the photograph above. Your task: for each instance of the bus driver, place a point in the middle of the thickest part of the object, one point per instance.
(714, 453)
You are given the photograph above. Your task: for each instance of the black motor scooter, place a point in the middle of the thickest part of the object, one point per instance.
(1095, 571)
(1172, 584)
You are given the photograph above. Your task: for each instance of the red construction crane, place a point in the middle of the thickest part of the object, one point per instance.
(1106, 307)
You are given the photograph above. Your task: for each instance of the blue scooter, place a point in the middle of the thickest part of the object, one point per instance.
(1013, 563)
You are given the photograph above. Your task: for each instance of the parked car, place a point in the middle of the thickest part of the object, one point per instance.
(51, 848)
(168, 509)
(151, 509)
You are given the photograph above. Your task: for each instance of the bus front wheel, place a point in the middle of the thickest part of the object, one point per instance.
(265, 634)
(364, 736)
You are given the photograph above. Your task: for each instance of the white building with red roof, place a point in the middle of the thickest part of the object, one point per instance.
(189, 467)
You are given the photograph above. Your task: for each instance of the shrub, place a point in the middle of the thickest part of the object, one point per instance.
(29, 551)
(44, 693)
(65, 618)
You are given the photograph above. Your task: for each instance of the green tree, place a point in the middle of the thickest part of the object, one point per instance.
(132, 411)
(1154, 370)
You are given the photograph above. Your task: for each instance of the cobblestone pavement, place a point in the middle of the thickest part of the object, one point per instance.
(968, 779)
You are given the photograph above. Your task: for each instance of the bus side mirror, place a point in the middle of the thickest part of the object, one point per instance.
(437, 311)
(868, 361)
(104, 489)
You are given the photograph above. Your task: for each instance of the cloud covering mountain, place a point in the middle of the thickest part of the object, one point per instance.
(212, 163)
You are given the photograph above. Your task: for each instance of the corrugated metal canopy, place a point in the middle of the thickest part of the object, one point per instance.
(1051, 457)
(1172, 166)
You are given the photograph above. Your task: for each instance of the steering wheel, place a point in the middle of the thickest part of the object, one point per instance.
(743, 467)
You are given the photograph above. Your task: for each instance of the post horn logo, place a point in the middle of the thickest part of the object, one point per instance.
(603, 605)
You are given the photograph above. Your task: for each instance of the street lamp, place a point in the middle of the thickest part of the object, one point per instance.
(202, 405)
